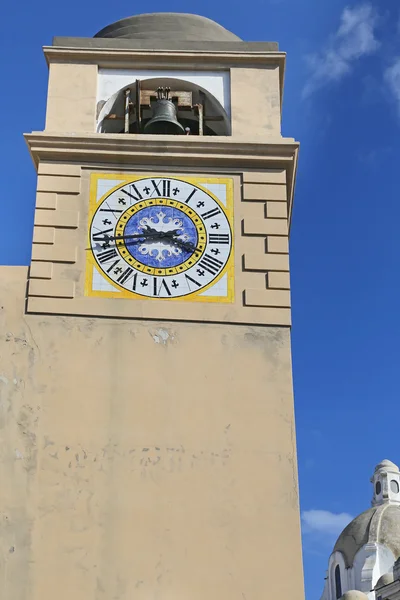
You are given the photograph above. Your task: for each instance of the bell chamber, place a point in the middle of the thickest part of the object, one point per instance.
(166, 106)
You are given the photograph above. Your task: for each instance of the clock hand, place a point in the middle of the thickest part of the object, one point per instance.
(136, 238)
(186, 245)
(152, 233)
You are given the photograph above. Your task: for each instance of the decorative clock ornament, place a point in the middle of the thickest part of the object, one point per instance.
(161, 237)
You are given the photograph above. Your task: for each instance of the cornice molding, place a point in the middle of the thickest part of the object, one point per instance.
(149, 56)
(204, 60)
(167, 151)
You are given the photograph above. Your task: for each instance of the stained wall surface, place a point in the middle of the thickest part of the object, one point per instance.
(144, 459)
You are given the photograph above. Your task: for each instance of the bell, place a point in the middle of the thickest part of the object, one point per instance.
(164, 116)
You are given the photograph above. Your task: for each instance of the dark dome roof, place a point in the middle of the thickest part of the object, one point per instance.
(379, 524)
(168, 26)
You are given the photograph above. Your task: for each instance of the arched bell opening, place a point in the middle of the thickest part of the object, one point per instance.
(189, 108)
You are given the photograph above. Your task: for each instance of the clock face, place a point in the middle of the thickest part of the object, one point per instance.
(160, 237)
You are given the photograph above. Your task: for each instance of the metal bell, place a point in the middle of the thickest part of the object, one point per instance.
(164, 119)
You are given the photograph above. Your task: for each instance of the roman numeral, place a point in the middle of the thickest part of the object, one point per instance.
(192, 193)
(112, 266)
(210, 264)
(193, 281)
(166, 187)
(97, 236)
(218, 238)
(166, 184)
(125, 275)
(134, 282)
(163, 284)
(156, 186)
(113, 210)
(107, 255)
(138, 194)
(211, 213)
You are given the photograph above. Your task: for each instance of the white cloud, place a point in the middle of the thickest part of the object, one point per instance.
(392, 79)
(354, 38)
(324, 521)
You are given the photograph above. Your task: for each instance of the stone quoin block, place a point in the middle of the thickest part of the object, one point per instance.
(46, 200)
(54, 183)
(41, 270)
(278, 244)
(56, 253)
(280, 298)
(269, 176)
(43, 235)
(53, 289)
(276, 210)
(57, 218)
(261, 191)
(279, 280)
(265, 227)
(266, 262)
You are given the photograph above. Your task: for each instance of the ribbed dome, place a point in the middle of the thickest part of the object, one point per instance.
(379, 524)
(168, 26)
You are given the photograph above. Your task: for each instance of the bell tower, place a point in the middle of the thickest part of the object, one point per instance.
(150, 439)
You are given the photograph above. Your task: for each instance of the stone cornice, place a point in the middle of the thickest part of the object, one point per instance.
(147, 151)
(201, 58)
(205, 60)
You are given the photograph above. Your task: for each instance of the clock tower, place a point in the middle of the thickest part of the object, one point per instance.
(146, 393)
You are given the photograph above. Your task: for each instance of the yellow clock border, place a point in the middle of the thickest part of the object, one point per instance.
(123, 293)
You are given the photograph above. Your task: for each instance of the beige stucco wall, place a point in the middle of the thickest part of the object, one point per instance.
(144, 459)
(256, 107)
(71, 98)
(255, 100)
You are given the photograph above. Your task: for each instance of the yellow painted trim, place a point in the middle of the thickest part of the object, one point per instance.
(125, 178)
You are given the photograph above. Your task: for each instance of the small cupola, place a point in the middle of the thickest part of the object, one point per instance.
(386, 482)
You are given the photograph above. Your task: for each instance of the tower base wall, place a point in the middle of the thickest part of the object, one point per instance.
(144, 459)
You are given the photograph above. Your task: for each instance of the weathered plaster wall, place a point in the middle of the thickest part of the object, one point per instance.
(144, 459)
(71, 98)
(256, 105)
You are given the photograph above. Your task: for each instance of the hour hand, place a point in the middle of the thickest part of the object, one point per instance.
(185, 245)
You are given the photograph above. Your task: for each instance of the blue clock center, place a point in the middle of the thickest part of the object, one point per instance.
(168, 236)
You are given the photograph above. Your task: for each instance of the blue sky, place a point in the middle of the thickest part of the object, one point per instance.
(342, 102)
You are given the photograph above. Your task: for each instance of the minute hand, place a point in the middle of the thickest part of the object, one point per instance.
(155, 234)
(159, 235)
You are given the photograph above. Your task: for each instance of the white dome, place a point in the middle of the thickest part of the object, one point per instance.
(366, 551)
(380, 524)
(387, 465)
(354, 595)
